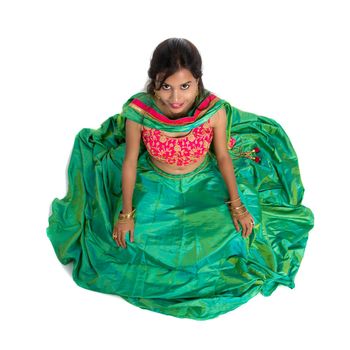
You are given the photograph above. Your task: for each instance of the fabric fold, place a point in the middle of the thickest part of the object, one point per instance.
(186, 260)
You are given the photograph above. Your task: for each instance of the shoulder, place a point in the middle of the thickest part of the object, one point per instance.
(134, 109)
(132, 125)
(218, 118)
(213, 101)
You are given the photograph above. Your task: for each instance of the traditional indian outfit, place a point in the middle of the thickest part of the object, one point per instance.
(187, 260)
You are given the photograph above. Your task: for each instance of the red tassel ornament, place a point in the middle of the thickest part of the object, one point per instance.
(248, 154)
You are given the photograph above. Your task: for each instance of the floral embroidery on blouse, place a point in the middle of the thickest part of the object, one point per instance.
(181, 150)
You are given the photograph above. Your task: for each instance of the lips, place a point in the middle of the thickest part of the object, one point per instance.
(176, 105)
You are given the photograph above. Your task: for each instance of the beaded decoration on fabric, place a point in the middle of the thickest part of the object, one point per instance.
(180, 151)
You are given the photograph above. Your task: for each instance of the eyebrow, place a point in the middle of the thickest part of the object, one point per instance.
(190, 81)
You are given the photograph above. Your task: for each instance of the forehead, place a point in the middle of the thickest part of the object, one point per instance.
(180, 77)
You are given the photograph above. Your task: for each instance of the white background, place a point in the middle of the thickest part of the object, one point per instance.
(68, 65)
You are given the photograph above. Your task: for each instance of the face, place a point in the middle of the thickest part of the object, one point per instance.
(178, 93)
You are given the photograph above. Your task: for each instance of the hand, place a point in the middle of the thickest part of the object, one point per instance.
(245, 222)
(121, 229)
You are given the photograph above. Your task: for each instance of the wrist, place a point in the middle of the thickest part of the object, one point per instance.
(126, 210)
(234, 201)
(125, 217)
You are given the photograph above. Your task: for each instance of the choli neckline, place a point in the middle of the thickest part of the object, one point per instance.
(177, 137)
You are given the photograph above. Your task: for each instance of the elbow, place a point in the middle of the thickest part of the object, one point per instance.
(223, 158)
(130, 162)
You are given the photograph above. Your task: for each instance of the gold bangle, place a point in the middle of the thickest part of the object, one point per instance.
(233, 200)
(241, 206)
(238, 210)
(126, 216)
(123, 221)
(238, 215)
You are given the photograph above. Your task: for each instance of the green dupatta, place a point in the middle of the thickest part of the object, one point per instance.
(142, 109)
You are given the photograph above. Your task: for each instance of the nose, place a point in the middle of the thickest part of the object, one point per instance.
(175, 96)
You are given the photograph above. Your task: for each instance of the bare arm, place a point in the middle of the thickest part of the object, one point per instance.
(133, 137)
(226, 168)
(132, 140)
(223, 158)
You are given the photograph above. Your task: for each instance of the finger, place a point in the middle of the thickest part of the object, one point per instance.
(119, 238)
(123, 239)
(242, 225)
(131, 236)
(251, 226)
(244, 230)
(113, 235)
(236, 224)
(115, 238)
(250, 229)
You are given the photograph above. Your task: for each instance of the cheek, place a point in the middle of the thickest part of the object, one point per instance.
(191, 96)
(163, 96)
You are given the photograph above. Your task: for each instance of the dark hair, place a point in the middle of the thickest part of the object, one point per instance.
(170, 56)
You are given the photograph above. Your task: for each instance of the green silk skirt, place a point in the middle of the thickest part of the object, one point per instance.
(187, 260)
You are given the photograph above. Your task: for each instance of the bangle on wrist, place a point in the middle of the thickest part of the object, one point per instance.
(233, 200)
(122, 218)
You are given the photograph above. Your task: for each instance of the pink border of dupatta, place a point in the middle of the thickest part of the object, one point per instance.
(143, 108)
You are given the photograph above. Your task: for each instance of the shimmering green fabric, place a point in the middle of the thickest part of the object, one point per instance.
(187, 260)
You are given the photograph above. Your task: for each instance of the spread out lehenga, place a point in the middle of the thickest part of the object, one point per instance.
(187, 260)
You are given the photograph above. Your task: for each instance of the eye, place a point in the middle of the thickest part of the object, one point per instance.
(185, 86)
(165, 87)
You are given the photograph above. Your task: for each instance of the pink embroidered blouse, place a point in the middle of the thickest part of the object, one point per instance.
(181, 150)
